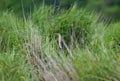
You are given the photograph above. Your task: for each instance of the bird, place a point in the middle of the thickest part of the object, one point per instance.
(63, 46)
(60, 41)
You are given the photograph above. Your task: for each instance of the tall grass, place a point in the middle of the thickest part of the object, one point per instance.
(29, 50)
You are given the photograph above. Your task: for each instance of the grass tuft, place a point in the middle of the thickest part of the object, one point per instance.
(29, 50)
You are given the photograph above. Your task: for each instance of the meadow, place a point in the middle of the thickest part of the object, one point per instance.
(29, 48)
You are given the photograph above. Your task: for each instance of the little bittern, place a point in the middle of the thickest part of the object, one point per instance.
(60, 41)
(62, 45)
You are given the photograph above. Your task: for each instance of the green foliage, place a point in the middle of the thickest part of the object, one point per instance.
(112, 37)
(97, 67)
(109, 8)
(65, 23)
(15, 5)
(13, 67)
(10, 29)
(97, 61)
(28, 48)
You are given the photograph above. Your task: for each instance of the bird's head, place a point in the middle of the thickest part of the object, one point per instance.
(58, 34)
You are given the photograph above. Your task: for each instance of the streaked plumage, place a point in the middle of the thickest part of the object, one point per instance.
(60, 41)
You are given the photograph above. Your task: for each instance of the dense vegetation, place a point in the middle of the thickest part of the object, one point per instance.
(107, 8)
(29, 50)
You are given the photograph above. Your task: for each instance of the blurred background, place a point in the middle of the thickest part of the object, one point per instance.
(107, 8)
